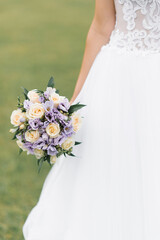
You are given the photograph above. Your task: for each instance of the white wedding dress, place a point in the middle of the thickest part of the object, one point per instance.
(111, 190)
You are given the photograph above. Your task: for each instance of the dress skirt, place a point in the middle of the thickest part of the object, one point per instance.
(111, 189)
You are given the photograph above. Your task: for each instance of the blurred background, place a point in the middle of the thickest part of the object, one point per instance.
(38, 39)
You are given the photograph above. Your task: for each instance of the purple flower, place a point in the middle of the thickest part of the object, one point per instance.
(65, 105)
(68, 131)
(48, 92)
(59, 140)
(53, 114)
(50, 116)
(29, 128)
(27, 104)
(30, 147)
(51, 150)
(56, 112)
(41, 99)
(65, 123)
(43, 142)
(35, 123)
(39, 144)
(45, 124)
(41, 130)
(45, 137)
(48, 106)
(59, 116)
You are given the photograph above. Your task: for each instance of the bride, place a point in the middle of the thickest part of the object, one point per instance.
(111, 189)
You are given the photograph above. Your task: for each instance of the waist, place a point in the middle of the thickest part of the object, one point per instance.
(137, 41)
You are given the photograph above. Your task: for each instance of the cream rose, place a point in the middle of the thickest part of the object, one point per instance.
(39, 153)
(55, 98)
(53, 130)
(33, 96)
(76, 121)
(68, 143)
(21, 145)
(53, 159)
(36, 110)
(32, 136)
(50, 90)
(16, 116)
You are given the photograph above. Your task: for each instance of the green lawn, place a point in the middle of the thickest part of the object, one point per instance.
(37, 39)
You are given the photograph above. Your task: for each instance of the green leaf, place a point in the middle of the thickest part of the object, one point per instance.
(51, 82)
(59, 154)
(57, 91)
(40, 163)
(20, 151)
(75, 107)
(25, 92)
(77, 143)
(16, 132)
(71, 154)
(18, 99)
(39, 91)
(48, 159)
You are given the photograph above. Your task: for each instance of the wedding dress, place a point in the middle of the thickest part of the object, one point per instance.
(111, 189)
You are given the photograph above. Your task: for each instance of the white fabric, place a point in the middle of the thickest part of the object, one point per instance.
(111, 190)
(137, 25)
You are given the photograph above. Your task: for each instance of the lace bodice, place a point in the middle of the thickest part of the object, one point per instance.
(137, 25)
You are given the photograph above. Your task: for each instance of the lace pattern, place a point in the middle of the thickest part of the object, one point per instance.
(141, 25)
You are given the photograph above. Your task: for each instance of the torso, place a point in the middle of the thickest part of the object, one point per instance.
(137, 25)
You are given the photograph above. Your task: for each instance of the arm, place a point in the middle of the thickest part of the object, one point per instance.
(99, 33)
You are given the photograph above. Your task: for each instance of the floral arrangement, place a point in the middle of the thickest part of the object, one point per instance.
(45, 124)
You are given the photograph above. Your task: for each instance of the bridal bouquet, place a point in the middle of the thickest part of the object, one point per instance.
(45, 124)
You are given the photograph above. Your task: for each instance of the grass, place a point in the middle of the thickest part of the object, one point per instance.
(38, 39)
